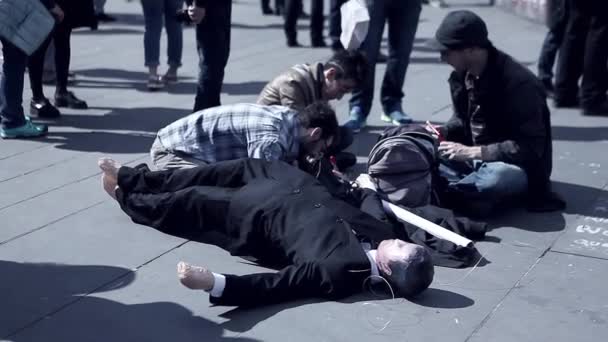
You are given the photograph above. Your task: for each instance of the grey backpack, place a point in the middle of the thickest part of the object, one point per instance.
(403, 168)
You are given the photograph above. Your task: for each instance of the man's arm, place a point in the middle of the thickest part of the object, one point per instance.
(293, 282)
(267, 150)
(526, 108)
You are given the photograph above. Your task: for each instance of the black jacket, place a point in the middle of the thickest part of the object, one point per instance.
(507, 116)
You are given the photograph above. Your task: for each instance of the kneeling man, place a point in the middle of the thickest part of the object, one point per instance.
(277, 214)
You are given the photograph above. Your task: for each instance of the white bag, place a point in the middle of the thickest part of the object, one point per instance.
(355, 23)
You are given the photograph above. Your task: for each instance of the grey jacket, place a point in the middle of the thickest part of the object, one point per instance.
(25, 23)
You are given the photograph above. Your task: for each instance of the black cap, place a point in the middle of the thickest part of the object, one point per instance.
(460, 29)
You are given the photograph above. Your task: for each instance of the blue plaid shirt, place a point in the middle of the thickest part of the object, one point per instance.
(235, 131)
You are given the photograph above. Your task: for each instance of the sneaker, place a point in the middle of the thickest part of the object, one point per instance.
(69, 100)
(169, 78)
(155, 83)
(28, 130)
(356, 121)
(396, 117)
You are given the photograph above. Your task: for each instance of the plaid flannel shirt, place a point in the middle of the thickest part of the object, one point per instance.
(235, 131)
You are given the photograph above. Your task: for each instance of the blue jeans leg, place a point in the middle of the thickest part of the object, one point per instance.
(153, 17)
(11, 86)
(213, 44)
(403, 19)
(174, 33)
(363, 96)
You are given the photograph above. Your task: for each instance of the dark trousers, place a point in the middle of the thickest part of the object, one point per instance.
(584, 51)
(402, 18)
(558, 20)
(35, 66)
(335, 23)
(61, 39)
(293, 8)
(213, 45)
(185, 201)
(11, 86)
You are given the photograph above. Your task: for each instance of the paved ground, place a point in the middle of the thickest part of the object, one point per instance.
(74, 268)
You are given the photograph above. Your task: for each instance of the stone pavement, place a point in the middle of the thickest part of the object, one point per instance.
(73, 267)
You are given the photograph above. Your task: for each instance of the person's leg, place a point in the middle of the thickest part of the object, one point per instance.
(174, 38)
(11, 85)
(162, 159)
(292, 11)
(490, 185)
(571, 54)
(316, 23)
(335, 24)
(153, 24)
(213, 44)
(552, 43)
(232, 173)
(403, 19)
(362, 97)
(595, 73)
(64, 98)
(266, 7)
(40, 105)
(13, 123)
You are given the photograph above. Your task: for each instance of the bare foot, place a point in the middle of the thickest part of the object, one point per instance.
(109, 185)
(195, 277)
(109, 167)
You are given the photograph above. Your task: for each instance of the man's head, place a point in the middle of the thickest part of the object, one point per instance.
(320, 128)
(344, 72)
(406, 266)
(462, 40)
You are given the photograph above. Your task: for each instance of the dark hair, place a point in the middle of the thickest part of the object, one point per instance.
(412, 276)
(350, 65)
(320, 114)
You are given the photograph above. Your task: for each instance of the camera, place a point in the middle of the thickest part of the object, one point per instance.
(183, 17)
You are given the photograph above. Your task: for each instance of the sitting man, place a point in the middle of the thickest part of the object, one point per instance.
(304, 84)
(277, 214)
(245, 130)
(498, 142)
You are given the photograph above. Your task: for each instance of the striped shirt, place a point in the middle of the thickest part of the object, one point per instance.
(235, 131)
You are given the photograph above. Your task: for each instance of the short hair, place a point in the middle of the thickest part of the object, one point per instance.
(349, 65)
(320, 114)
(412, 276)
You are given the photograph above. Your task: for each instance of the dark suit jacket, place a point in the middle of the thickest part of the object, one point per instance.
(278, 214)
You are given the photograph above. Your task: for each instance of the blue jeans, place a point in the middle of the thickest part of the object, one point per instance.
(154, 12)
(11, 86)
(484, 185)
(402, 17)
(213, 45)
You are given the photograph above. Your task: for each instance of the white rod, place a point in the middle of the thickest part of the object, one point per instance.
(426, 225)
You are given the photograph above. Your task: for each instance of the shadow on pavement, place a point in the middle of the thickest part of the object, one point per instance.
(580, 133)
(244, 319)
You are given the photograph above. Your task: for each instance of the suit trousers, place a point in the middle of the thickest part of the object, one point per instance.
(184, 201)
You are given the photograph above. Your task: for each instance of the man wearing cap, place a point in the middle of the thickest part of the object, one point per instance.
(497, 145)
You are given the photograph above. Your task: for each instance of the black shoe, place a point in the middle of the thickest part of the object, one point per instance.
(562, 102)
(267, 11)
(549, 89)
(69, 100)
(304, 15)
(104, 18)
(344, 160)
(293, 43)
(44, 109)
(382, 58)
(318, 43)
(596, 110)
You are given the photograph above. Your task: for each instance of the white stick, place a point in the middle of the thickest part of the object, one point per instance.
(426, 225)
(365, 181)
